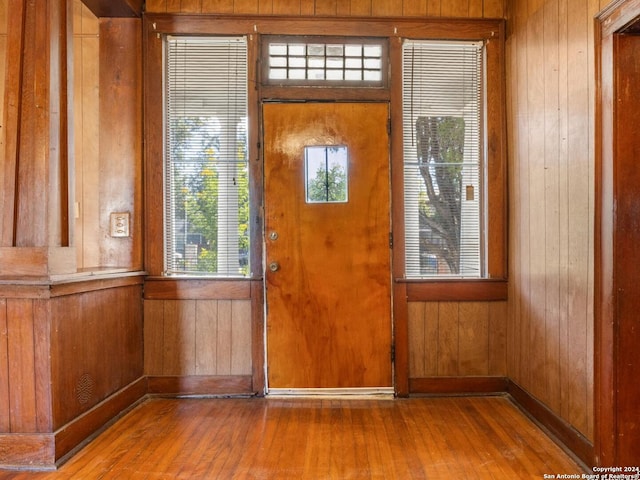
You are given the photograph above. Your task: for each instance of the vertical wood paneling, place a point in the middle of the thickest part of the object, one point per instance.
(361, 8)
(417, 340)
(206, 336)
(326, 7)
(42, 368)
(552, 206)
(454, 8)
(245, 6)
(5, 424)
(448, 338)
(265, 7)
(223, 338)
(96, 348)
(551, 89)
(87, 136)
(417, 8)
(494, 8)
(121, 138)
(286, 7)
(387, 8)
(215, 6)
(473, 338)
(198, 337)
(3, 50)
(22, 370)
(179, 355)
(498, 338)
(535, 94)
(157, 6)
(193, 6)
(457, 338)
(434, 8)
(153, 336)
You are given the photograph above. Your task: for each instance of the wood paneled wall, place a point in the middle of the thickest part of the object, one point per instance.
(3, 50)
(108, 138)
(86, 46)
(61, 356)
(197, 337)
(550, 75)
(457, 339)
(365, 8)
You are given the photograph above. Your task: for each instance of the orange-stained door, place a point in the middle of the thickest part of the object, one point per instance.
(327, 227)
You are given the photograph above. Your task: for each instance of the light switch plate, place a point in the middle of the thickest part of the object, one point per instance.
(119, 225)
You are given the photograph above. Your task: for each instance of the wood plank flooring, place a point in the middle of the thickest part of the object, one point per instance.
(272, 438)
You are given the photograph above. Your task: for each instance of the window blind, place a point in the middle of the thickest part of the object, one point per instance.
(206, 168)
(443, 158)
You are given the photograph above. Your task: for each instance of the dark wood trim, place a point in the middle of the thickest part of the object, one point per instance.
(82, 284)
(35, 451)
(458, 385)
(609, 236)
(273, 93)
(85, 427)
(457, 291)
(257, 338)
(617, 16)
(449, 28)
(401, 341)
(200, 385)
(559, 430)
(165, 288)
(115, 8)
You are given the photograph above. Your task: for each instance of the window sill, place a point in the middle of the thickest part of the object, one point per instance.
(485, 290)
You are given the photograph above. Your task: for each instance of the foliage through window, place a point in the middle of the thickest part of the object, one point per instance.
(443, 108)
(206, 168)
(326, 173)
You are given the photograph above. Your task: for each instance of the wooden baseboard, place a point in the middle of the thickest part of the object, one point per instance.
(83, 428)
(561, 431)
(200, 385)
(457, 385)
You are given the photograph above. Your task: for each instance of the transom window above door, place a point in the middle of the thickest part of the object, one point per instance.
(324, 61)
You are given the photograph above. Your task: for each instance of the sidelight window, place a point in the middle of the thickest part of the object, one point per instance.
(444, 168)
(206, 169)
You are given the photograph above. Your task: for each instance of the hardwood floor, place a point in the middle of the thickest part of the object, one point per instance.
(271, 438)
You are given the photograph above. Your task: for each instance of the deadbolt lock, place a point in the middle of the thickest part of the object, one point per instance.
(274, 266)
(273, 236)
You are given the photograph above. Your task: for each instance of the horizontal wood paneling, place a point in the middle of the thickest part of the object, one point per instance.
(197, 337)
(551, 87)
(457, 339)
(366, 8)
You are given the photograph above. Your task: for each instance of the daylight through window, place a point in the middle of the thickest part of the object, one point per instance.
(206, 168)
(443, 161)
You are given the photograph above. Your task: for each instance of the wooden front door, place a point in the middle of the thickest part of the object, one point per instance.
(327, 225)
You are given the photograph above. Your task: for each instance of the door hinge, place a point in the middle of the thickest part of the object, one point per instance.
(393, 353)
(390, 240)
(389, 126)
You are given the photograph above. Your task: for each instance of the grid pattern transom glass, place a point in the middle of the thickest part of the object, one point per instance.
(314, 60)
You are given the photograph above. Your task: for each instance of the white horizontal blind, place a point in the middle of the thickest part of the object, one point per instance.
(206, 168)
(443, 158)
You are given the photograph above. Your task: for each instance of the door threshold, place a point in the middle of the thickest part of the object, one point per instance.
(381, 393)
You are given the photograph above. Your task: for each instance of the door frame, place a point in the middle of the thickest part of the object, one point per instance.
(619, 17)
(385, 392)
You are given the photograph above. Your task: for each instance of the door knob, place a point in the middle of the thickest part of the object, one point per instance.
(274, 266)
